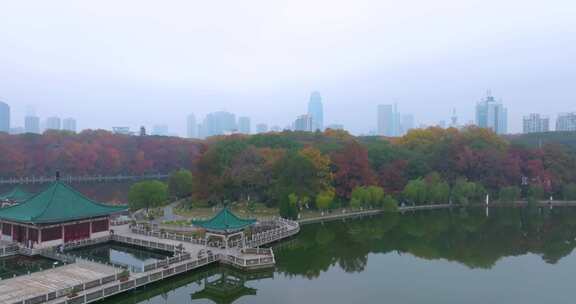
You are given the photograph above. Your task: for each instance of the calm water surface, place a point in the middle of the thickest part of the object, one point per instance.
(457, 256)
(17, 265)
(123, 255)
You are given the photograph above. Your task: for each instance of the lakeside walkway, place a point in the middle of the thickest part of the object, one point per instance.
(353, 214)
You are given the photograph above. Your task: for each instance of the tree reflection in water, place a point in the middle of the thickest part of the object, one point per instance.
(466, 236)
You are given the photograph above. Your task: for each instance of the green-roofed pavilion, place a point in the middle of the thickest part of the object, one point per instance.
(225, 225)
(225, 221)
(16, 195)
(57, 214)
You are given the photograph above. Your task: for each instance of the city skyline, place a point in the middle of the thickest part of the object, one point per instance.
(263, 63)
(399, 123)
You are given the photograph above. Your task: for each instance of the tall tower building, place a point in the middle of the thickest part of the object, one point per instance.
(244, 125)
(4, 117)
(32, 124)
(316, 111)
(454, 119)
(385, 120)
(191, 126)
(53, 123)
(534, 123)
(492, 114)
(304, 123)
(69, 124)
(219, 123)
(566, 122)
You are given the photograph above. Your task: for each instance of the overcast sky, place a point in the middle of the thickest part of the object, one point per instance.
(114, 63)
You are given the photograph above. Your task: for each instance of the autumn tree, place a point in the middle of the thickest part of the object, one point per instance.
(351, 169)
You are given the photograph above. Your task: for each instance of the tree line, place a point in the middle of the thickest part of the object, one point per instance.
(322, 170)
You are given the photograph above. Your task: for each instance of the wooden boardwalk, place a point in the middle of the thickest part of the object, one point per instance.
(53, 280)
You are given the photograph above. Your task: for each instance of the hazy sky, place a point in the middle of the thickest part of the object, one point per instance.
(111, 63)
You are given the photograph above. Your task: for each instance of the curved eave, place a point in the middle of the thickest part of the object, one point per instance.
(62, 220)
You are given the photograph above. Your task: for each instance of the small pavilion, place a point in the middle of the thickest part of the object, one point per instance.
(16, 196)
(225, 226)
(55, 216)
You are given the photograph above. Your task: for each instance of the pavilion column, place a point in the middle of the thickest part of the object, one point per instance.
(39, 236)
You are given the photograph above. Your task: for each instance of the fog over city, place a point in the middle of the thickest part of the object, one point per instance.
(133, 63)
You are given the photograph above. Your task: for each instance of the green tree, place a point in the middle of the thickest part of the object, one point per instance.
(415, 191)
(437, 190)
(289, 206)
(325, 199)
(390, 204)
(463, 191)
(509, 194)
(147, 194)
(180, 183)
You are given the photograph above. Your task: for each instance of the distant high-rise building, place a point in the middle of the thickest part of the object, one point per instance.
(335, 127)
(492, 114)
(191, 126)
(316, 111)
(454, 119)
(53, 123)
(69, 124)
(160, 130)
(4, 117)
(32, 124)
(244, 125)
(142, 131)
(261, 128)
(566, 122)
(407, 123)
(385, 120)
(304, 123)
(121, 130)
(219, 123)
(534, 123)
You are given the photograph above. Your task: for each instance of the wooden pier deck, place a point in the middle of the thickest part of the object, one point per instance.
(51, 281)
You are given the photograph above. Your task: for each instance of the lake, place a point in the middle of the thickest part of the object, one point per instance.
(510, 255)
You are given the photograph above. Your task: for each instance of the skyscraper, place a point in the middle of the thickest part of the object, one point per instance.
(69, 124)
(219, 123)
(191, 126)
(385, 120)
(566, 122)
(261, 128)
(244, 125)
(492, 114)
(534, 123)
(316, 111)
(53, 123)
(454, 119)
(304, 123)
(32, 124)
(4, 117)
